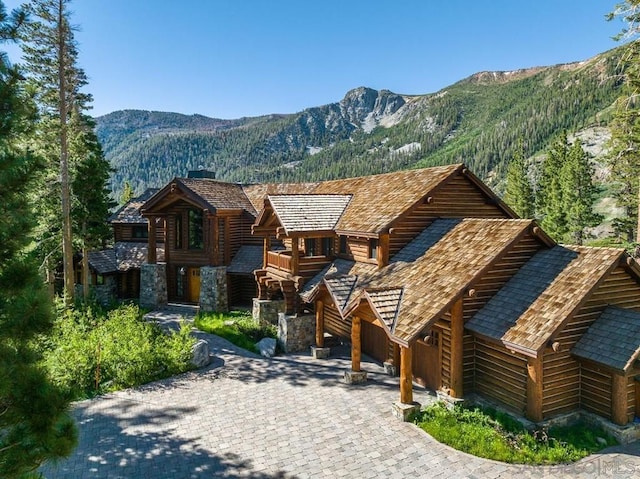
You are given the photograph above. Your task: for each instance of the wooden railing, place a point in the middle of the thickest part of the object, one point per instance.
(307, 265)
(280, 260)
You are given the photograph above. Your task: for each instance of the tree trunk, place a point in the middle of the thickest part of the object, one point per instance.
(85, 264)
(67, 238)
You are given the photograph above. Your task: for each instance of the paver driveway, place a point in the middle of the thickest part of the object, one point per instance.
(287, 417)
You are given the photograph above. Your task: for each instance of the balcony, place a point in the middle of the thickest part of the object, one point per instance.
(308, 266)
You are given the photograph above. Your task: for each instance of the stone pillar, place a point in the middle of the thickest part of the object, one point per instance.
(295, 333)
(265, 311)
(213, 289)
(153, 285)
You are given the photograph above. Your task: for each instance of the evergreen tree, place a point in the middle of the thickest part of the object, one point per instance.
(518, 192)
(625, 129)
(578, 194)
(50, 54)
(34, 423)
(127, 193)
(91, 200)
(549, 198)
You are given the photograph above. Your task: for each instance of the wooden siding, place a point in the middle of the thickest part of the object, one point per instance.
(469, 364)
(501, 375)
(458, 198)
(631, 398)
(500, 273)
(565, 385)
(241, 289)
(124, 232)
(596, 390)
(444, 325)
(333, 322)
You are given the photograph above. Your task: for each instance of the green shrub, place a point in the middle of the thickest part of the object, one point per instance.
(495, 435)
(237, 327)
(93, 351)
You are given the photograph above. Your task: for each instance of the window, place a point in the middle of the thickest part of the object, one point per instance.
(310, 247)
(140, 232)
(178, 231)
(373, 248)
(327, 246)
(196, 230)
(343, 245)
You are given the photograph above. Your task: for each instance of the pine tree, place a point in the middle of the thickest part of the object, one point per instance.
(50, 54)
(91, 200)
(549, 198)
(624, 159)
(127, 193)
(578, 194)
(34, 423)
(518, 192)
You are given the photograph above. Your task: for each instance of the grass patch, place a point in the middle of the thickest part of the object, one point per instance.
(237, 327)
(494, 435)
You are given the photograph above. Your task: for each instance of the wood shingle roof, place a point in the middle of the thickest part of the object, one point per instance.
(218, 194)
(612, 340)
(307, 213)
(543, 295)
(130, 212)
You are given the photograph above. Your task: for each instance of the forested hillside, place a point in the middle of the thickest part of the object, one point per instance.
(477, 121)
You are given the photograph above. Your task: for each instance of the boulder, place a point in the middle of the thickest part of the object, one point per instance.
(200, 354)
(267, 347)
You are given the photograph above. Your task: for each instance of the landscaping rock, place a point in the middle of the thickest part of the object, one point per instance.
(200, 354)
(267, 347)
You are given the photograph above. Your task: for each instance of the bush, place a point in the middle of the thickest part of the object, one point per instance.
(237, 327)
(92, 351)
(495, 435)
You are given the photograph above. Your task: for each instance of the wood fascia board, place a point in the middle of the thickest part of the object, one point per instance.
(357, 234)
(530, 353)
(228, 211)
(347, 309)
(597, 365)
(431, 192)
(539, 233)
(195, 198)
(631, 265)
(265, 213)
(377, 314)
(156, 198)
(585, 298)
(488, 192)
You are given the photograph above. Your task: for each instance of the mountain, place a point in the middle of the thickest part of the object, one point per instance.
(477, 120)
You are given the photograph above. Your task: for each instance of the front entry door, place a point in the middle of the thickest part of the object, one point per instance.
(193, 282)
(427, 361)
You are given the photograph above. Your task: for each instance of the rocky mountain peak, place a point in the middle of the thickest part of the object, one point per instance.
(366, 107)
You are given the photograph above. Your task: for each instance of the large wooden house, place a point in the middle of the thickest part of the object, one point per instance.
(427, 270)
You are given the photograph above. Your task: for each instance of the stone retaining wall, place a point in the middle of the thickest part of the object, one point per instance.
(296, 333)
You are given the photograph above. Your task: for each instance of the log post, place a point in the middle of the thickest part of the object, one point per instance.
(406, 375)
(266, 245)
(319, 324)
(535, 391)
(295, 258)
(457, 351)
(383, 250)
(227, 241)
(151, 250)
(619, 399)
(356, 352)
(165, 239)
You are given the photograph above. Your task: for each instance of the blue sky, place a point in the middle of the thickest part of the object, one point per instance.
(233, 58)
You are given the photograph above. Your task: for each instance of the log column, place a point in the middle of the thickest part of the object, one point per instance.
(266, 245)
(619, 399)
(406, 375)
(151, 253)
(295, 258)
(457, 352)
(319, 324)
(534, 388)
(383, 250)
(356, 349)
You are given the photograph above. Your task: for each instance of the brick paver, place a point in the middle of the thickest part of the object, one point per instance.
(286, 417)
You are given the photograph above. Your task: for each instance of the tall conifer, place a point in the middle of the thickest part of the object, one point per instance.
(519, 193)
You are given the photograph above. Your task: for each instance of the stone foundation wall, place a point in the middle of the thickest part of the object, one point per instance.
(266, 311)
(213, 289)
(296, 333)
(104, 294)
(153, 285)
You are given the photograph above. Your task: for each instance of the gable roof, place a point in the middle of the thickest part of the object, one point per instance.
(378, 200)
(541, 297)
(207, 193)
(307, 213)
(130, 212)
(426, 277)
(103, 261)
(612, 340)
